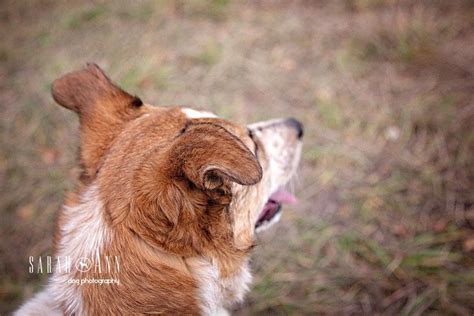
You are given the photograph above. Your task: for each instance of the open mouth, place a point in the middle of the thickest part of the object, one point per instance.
(272, 208)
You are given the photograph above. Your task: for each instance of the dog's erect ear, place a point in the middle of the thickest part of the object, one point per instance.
(89, 91)
(103, 109)
(208, 154)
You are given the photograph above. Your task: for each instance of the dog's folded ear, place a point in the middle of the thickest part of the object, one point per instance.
(208, 155)
(103, 108)
(205, 155)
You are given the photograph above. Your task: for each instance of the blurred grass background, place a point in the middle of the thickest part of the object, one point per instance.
(385, 89)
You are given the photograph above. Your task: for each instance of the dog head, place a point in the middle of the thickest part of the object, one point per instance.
(182, 180)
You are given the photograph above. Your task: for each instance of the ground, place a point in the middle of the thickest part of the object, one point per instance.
(384, 88)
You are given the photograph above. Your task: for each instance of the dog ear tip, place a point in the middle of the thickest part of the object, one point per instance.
(75, 89)
(255, 180)
(252, 178)
(257, 174)
(95, 70)
(92, 66)
(57, 91)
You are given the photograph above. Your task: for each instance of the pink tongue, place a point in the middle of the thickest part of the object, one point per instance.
(281, 196)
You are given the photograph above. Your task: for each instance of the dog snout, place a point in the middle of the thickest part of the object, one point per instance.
(296, 125)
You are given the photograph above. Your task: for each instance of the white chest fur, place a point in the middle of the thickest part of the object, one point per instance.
(218, 293)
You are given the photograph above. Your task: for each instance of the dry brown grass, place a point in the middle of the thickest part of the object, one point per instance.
(385, 89)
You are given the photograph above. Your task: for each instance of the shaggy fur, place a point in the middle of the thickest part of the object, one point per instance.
(174, 193)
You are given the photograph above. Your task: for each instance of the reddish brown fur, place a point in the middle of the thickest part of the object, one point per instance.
(148, 283)
(103, 110)
(165, 184)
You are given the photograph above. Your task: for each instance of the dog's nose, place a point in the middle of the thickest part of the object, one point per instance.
(294, 123)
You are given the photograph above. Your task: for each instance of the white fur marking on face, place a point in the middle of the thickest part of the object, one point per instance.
(191, 113)
(283, 153)
(282, 150)
(217, 293)
(264, 124)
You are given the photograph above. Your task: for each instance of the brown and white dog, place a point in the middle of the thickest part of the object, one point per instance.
(176, 194)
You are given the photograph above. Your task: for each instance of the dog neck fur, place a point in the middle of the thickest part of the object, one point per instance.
(217, 293)
(84, 232)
